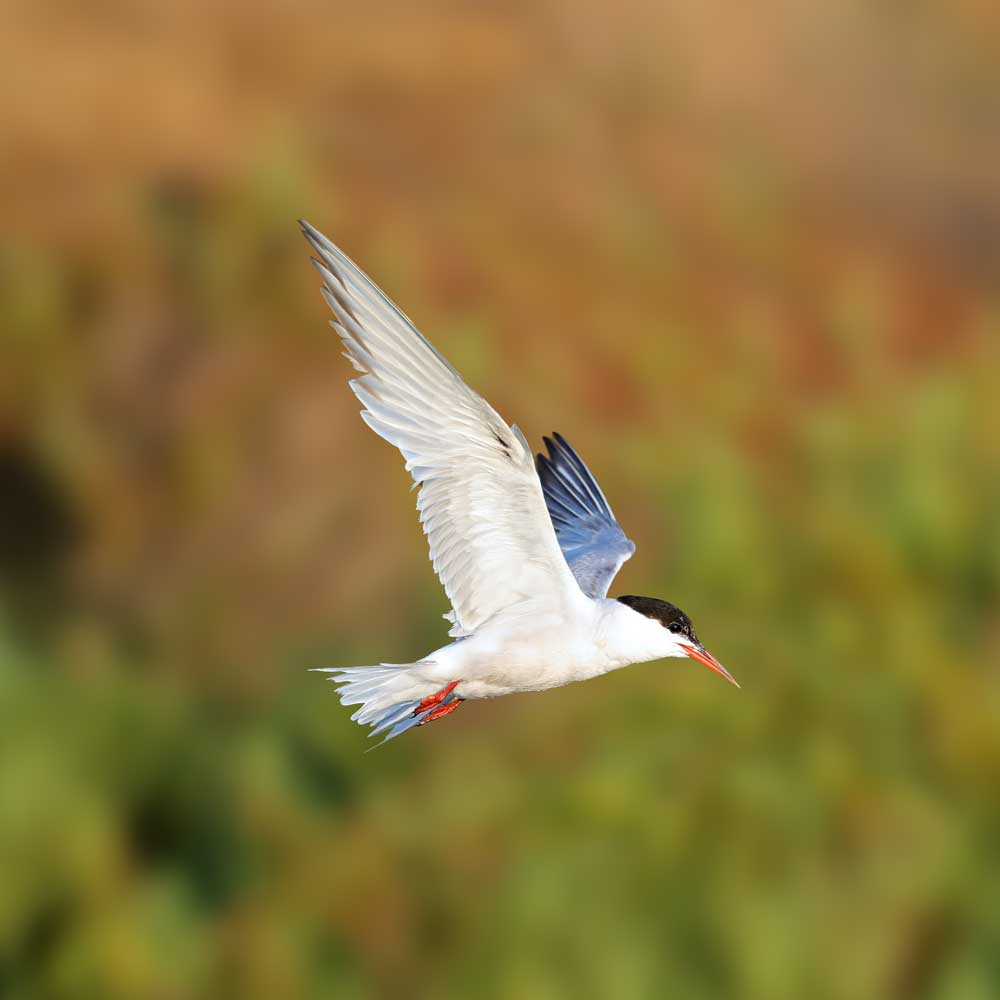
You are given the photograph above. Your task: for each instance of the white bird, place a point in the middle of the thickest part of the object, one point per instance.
(525, 553)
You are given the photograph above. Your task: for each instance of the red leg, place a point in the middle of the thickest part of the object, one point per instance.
(442, 710)
(435, 699)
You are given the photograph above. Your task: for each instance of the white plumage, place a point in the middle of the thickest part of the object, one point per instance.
(520, 618)
(480, 501)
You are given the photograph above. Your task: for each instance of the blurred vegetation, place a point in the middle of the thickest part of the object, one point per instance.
(747, 260)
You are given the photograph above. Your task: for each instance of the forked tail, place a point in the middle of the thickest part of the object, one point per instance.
(389, 695)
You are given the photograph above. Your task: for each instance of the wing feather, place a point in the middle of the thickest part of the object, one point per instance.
(480, 500)
(591, 539)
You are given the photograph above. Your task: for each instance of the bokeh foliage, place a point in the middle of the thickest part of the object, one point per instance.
(746, 261)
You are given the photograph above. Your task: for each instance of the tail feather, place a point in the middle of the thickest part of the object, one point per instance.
(407, 722)
(407, 710)
(386, 696)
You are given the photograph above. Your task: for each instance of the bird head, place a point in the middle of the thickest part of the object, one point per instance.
(670, 633)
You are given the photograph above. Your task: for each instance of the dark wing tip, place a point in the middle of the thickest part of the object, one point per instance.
(544, 461)
(563, 449)
(591, 539)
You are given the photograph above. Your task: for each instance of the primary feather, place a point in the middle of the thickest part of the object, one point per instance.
(591, 539)
(491, 541)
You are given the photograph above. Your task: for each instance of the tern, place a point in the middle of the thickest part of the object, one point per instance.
(525, 548)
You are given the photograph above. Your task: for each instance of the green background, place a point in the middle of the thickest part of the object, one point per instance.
(746, 260)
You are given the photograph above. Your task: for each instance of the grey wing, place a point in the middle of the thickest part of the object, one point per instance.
(590, 538)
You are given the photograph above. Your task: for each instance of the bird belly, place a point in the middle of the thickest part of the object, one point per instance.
(492, 666)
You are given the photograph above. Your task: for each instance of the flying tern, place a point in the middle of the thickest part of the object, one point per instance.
(525, 548)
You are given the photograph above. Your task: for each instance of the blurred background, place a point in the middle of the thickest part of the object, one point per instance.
(747, 258)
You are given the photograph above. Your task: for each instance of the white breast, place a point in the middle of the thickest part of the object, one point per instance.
(534, 655)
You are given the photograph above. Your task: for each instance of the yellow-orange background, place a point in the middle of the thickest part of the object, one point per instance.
(746, 257)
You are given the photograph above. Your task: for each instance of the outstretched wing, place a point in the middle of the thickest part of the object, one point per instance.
(491, 540)
(591, 539)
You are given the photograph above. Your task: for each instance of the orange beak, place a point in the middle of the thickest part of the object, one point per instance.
(705, 657)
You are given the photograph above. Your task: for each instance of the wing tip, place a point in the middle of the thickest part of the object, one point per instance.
(565, 456)
(331, 257)
(312, 234)
(551, 449)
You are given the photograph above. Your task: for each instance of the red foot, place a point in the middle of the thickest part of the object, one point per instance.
(442, 710)
(435, 699)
